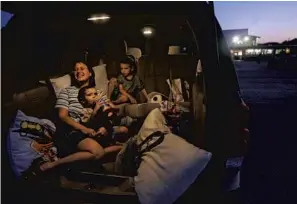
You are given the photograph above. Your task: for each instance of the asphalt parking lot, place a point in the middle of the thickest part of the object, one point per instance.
(269, 174)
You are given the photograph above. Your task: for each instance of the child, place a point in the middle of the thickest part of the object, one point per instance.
(127, 86)
(98, 113)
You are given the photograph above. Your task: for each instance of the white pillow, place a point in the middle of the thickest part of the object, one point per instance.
(101, 77)
(65, 81)
(59, 83)
(168, 169)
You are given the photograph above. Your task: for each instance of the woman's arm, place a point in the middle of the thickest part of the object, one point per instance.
(63, 104)
(63, 115)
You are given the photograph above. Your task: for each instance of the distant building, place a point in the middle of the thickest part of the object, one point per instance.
(240, 38)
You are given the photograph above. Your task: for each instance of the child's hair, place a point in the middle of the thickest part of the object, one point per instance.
(130, 60)
(82, 92)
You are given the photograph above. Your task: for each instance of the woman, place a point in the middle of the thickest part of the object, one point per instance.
(72, 134)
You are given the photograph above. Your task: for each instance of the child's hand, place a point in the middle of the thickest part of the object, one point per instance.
(133, 100)
(98, 105)
(89, 132)
(102, 131)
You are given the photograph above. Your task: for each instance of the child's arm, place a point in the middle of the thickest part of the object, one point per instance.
(97, 108)
(111, 104)
(143, 91)
(124, 92)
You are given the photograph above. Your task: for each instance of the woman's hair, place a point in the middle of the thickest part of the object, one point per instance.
(82, 93)
(92, 82)
(131, 61)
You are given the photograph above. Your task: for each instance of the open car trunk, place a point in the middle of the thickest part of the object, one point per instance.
(53, 35)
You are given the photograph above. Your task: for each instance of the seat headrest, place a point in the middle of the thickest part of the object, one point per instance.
(174, 50)
(135, 52)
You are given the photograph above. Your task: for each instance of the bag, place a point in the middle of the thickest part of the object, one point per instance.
(129, 161)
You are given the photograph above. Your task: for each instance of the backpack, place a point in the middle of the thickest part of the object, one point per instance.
(129, 159)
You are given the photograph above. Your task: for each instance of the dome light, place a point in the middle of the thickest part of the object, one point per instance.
(100, 18)
(148, 31)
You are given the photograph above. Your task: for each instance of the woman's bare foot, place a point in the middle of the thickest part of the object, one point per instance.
(47, 166)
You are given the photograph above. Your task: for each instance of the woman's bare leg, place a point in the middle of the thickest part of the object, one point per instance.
(90, 149)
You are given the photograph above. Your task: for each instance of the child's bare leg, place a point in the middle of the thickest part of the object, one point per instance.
(111, 149)
(121, 130)
(121, 134)
(121, 99)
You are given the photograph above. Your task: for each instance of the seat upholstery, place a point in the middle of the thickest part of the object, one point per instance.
(115, 51)
(153, 69)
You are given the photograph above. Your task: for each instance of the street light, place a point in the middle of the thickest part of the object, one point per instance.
(246, 38)
(235, 39)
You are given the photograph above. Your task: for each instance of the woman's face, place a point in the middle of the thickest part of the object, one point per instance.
(81, 72)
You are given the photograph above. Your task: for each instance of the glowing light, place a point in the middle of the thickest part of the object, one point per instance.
(148, 31)
(235, 39)
(269, 51)
(246, 38)
(287, 51)
(99, 18)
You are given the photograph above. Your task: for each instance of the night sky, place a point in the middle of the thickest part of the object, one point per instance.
(272, 21)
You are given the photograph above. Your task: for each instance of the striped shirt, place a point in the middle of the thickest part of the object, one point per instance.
(68, 99)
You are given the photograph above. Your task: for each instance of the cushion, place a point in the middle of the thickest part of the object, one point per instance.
(65, 81)
(140, 110)
(101, 77)
(59, 83)
(168, 169)
(135, 52)
(29, 138)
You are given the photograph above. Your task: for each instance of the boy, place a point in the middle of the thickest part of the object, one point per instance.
(98, 113)
(127, 86)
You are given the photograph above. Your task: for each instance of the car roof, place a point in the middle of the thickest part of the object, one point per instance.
(86, 8)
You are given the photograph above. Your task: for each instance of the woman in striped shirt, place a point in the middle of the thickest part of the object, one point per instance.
(73, 139)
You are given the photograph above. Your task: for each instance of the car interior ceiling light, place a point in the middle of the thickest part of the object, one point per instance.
(148, 31)
(99, 17)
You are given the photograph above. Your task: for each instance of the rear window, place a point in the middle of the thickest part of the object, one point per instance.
(5, 18)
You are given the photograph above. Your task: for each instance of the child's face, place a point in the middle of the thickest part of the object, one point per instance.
(91, 96)
(125, 69)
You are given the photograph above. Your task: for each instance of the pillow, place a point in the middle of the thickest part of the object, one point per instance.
(59, 83)
(168, 170)
(65, 81)
(29, 138)
(101, 79)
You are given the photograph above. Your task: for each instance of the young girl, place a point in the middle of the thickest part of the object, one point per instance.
(128, 85)
(98, 113)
